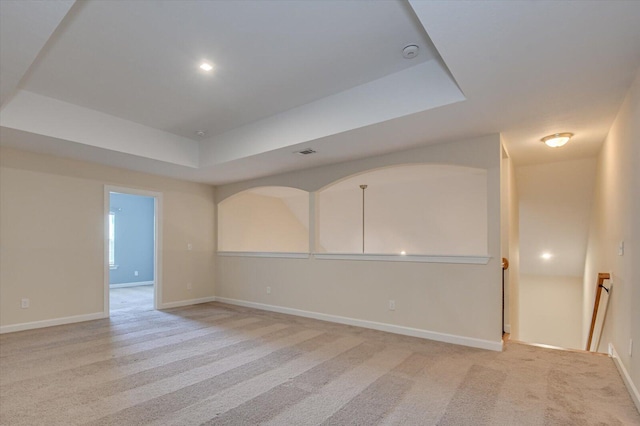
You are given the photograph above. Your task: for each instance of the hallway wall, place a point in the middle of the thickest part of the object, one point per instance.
(616, 218)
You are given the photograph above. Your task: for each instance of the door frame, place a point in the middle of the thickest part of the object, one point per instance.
(157, 247)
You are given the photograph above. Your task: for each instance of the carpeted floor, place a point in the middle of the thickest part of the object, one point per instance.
(138, 298)
(217, 364)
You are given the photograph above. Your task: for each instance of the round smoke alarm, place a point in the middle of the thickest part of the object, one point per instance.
(410, 51)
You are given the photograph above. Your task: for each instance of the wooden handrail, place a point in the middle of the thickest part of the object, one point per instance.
(505, 266)
(599, 286)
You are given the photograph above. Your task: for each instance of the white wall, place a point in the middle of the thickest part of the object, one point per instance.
(52, 234)
(551, 310)
(453, 299)
(615, 218)
(555, 205)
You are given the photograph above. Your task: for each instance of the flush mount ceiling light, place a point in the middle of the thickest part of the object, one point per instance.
(307, 151)
(557, 139)
(205, 66)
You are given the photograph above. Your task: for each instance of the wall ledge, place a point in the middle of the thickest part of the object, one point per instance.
(390, 328)
(188, 302)
(288, 255)
(475, 260)
(51, 322)
(626, 378)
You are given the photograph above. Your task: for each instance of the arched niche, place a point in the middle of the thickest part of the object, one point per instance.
(416, 209)
(265, 219)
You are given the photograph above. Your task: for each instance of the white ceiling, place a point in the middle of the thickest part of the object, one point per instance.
(139, 60)
(118, 82)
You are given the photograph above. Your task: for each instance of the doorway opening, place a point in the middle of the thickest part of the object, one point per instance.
(555, 203)
(132, 242)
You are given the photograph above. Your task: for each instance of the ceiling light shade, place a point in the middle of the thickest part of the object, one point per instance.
(206, 67)
(557, 139)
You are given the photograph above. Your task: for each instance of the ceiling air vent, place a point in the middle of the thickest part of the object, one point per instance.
(307, 151)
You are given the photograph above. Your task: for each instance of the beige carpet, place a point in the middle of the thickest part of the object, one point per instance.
(216, 364)
(138, 298)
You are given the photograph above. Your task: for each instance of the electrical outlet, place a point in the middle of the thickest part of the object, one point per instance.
(268, 290)
(189, 286)
(136, 273)
(630, 347)
(24, 303)
(392, 305)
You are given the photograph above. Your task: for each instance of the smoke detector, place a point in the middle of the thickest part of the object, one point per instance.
(410, 51)
(306, 151)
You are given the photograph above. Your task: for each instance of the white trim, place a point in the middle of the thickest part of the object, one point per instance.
(397, 329)
(187, 302)
(476, 260)
(507, 328)
(157, 253)
(132, 284)
(626, 378)
(51, 322)
(105, 243)
(286, 255)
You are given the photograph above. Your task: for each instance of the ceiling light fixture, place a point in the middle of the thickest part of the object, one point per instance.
(206, 66)
(306, 151)
(557, 139)
(546, 256)
(200, 133)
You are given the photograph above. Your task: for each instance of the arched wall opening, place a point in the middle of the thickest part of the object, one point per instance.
(416, 209)
(265, 219)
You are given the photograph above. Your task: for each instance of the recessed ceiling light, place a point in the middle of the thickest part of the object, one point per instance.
(557, 139)
(200, 133)
(403, 253)
(307, 151)
(206, 66)
(546, 255)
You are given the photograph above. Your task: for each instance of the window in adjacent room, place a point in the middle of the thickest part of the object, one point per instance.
(112, 240)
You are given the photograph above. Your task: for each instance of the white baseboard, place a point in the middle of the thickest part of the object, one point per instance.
(187, 302)
(50, 323)
(397, 329)
(507, 328)
(136, 284)
(631, 387)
